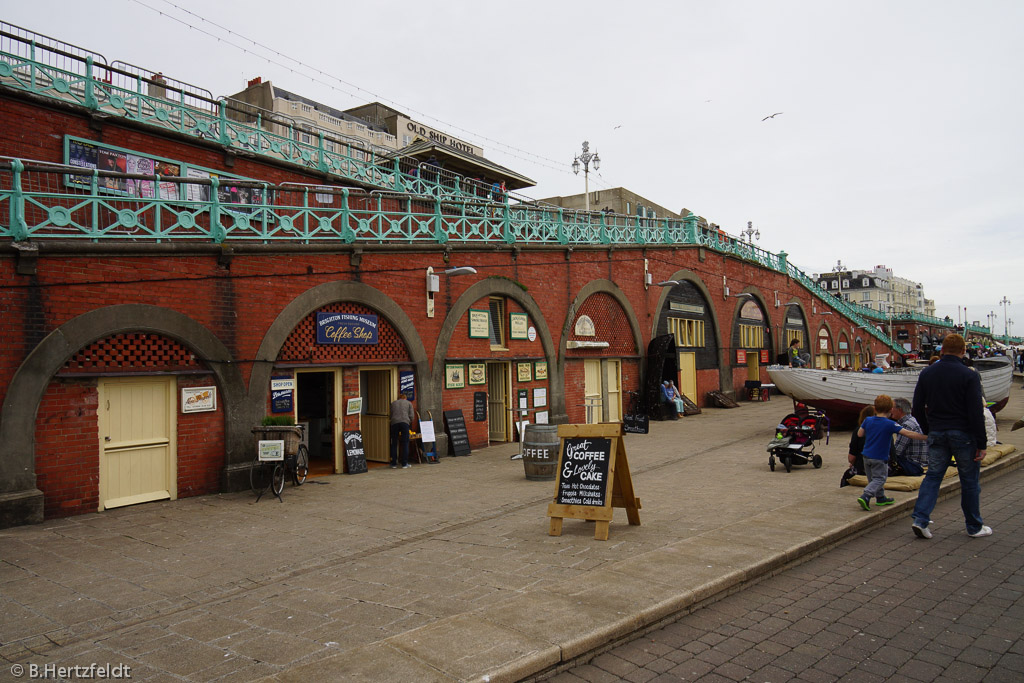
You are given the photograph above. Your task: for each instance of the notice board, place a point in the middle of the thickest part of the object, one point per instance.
(458, 437)
(479, 406)
(355, 456)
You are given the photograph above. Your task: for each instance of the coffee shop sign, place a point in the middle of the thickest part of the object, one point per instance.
(439, 138)
(346, 328)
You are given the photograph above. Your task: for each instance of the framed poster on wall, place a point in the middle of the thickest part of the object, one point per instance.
(540, 369)
(524, 372)
(479, 324)
(477, 373)
(741, 356)
(518, 326)
(454, 376)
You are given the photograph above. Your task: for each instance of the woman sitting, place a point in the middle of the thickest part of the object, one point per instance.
(670, 394)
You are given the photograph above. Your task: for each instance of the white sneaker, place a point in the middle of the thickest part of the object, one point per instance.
(406, 466)
(983, 531)
(923, 531)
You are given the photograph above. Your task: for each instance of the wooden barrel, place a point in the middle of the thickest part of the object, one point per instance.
(540, 452)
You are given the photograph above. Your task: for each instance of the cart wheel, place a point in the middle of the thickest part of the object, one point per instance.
(301, 465)
(277, 479)
(788, 462)
(817, 462)
(771, 463)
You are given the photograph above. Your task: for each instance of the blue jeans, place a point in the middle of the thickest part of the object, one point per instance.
(400, 440)
(942, 446)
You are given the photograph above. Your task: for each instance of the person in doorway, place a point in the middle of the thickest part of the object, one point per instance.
(671, 395)
(795, 360)
(401, 418)
(948, 405)
(877, 431)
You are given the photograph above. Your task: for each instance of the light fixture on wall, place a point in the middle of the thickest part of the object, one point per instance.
(434, 283)
(669, 283)
(725, 288)
(777, 298)
(648, 279)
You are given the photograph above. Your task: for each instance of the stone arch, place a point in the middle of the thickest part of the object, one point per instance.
(724, 376)
(312, 299)
(501, 287)
(24, 504)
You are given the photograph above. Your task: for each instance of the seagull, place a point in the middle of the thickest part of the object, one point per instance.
(771, 116)
(617, 127)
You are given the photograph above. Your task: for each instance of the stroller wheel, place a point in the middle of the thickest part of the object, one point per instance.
(771, 463)
(817, 462)
(788, 462)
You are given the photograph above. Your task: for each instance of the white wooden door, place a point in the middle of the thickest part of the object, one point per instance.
(688, 375)
(613, 389)
(137, 429)
(592, 390)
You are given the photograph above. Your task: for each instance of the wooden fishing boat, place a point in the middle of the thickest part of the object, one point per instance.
(842, 395)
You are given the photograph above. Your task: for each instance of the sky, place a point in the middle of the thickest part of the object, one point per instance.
(899, 141)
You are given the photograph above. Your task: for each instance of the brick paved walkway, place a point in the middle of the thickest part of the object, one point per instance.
(884, 607)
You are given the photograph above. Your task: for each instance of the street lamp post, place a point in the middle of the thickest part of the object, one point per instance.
(839, 269)
(1006, 323)
(750, 233)
(585, 158)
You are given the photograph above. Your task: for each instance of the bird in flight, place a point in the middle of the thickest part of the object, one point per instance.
(771, 116)
(617, 127)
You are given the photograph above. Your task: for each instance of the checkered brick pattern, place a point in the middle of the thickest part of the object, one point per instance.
(301, 345)
(611, 326)
(133, 352)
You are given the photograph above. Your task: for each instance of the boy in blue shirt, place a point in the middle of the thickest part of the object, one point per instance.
(877, 433)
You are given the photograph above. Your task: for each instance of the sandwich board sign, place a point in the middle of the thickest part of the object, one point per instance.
(593, 478)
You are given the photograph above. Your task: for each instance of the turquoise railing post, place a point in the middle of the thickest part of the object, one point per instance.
(667, 231)
(783, 265)
(605, 237)
(222, 115)
(321, 163)
(94, 201)
(348, 235)
(217, 232)
(90, 95)
(690, 225)
(440, 234)
(19, 228)
(563, 237)
(399, 176)
(264, 211)
(506, 223)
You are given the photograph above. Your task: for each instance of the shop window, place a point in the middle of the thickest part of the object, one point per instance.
(497, 306)
(687, 332)
(751, 336)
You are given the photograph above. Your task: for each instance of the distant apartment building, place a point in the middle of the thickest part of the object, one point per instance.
(615, 200)
(879, 289)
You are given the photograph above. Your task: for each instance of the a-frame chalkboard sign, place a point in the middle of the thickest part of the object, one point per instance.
(593, 478)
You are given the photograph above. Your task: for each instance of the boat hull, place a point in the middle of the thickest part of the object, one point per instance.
(842, 395)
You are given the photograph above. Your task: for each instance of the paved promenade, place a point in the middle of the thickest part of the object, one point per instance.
(885, 606)
(436, 573)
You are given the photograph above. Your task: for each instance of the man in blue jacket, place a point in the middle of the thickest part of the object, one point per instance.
(948, 406)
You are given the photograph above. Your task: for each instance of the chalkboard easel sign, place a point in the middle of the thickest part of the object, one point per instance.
(479, 406)
(355, 456)
(636, 424)
(458, 437)
(593, 478)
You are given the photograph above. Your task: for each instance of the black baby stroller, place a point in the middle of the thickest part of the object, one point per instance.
(794, 439)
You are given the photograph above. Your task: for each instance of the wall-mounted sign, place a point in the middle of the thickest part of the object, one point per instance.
(540, 369)
(751, 311)
(540, 397)
(741, 356)
(407, 384)
(517, 325)
(531, 333)
(346, 328)
(454, 376)
(198, 399)
(524, 372)
(479, 406)
(479, 324)
(685, 308)
(282, 394)
(584, 327)
(765, 357)
(477, 373)
(354, 406)
(843, 346)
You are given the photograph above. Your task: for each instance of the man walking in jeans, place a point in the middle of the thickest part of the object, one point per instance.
(947, 404)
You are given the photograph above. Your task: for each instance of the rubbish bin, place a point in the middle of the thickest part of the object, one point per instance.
(540, 452)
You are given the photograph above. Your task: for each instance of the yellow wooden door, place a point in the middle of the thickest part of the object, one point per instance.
(137, 429)
(688, 375)
(613, 389)
(753, 365)
(497, 401)
(376, 421)
(592, 390)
